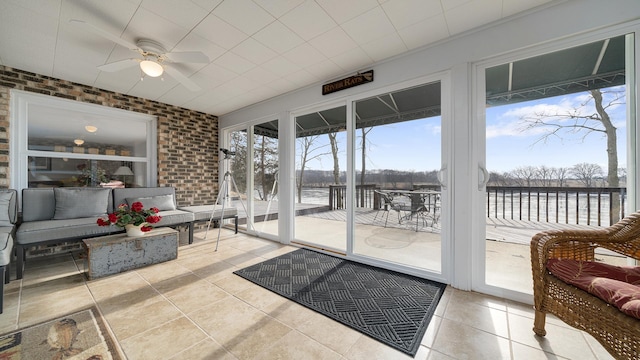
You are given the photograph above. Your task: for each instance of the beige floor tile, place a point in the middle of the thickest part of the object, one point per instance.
(432, 330)
(465, 342)
(521, 351)
(163, 341)
(204, 350)
(260, 298)
(462, 298)
(132, 298)
(295, 346)
(263, 335)
(53, 288)
(129, 321)
(116, 285)
(365, 348)
(435, 355)
(159, 272)
(233, 284)
(47, 272)
(189, 292)
(481, 317)
(330, 333)
(561, 341)
(53, 306)
(215, 271)
(289, 313)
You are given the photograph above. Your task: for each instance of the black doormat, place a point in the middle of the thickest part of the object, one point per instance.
(388, 306)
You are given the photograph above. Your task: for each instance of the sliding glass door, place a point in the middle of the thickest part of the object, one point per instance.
(398, 197)
(556, 151)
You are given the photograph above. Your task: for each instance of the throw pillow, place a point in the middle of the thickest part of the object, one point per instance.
(162, 202)
(5, 207)
(80, 203)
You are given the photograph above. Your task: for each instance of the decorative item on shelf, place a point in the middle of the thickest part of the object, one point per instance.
(60, 148)
(94, 151)
(109, 152)
(78, 149)
(125, 153)
(136, 220)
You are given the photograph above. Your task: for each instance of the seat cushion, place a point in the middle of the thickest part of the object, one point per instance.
(617, 285)
(45, 230)
(80, 203)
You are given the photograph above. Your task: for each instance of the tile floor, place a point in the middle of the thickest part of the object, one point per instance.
(195, 308)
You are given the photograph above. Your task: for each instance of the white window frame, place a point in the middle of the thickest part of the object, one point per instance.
(19, 121)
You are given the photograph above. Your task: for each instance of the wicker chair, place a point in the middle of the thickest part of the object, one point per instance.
(617, 332)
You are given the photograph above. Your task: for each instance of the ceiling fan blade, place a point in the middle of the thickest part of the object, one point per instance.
(98, 31)
(118, 65)
(176, 74)
(188, 57)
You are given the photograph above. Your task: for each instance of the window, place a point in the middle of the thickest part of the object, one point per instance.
(62, 143)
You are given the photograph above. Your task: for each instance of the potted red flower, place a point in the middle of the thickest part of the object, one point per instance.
(135, 220)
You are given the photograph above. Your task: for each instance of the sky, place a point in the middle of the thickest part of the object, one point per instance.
(416, 145)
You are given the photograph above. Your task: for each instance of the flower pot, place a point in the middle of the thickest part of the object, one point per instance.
(133, 230)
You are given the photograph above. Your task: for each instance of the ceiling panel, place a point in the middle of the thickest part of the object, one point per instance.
(257, 48)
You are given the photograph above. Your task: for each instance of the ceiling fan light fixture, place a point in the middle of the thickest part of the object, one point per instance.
(151, 68)
(78, 142)
(91, 128)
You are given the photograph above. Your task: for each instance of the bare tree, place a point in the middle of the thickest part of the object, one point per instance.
(584, 121)
(363, 145)
(266, 164)
(545, 175)
(587, 173)
(560, 175)
(524, 175)
(307, 153)
(334, 151)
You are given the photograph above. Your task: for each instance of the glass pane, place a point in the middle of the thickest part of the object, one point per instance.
(63, 130)
(320, 191)
(398, 155)
(235, 180)
(556, 152)
(67, 172)
(265, 193)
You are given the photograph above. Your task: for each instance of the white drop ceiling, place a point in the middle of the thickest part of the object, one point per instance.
(258, 48)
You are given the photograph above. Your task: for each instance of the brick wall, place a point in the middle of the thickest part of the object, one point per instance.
(187, 140)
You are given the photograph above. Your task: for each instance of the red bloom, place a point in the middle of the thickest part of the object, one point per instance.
(146, 228)
(153, 219)
(113, 217)
(102, 222)
(155, 210)
(137, 206)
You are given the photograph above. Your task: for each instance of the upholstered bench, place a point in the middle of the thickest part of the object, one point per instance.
(8, 217)
(202, 213)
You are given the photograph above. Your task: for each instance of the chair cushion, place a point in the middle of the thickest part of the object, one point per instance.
(617, 285)
(6, 245)
(80, 203)
(8, 207)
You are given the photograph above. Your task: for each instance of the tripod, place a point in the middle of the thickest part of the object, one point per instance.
(223, 197)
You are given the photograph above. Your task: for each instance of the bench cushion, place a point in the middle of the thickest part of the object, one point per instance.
(617, 285)
(203, 212)
(47, 230)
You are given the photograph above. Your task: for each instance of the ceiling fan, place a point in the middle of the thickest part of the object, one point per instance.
(155, 59)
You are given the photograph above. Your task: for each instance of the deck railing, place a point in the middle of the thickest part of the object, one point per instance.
(568, 205)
